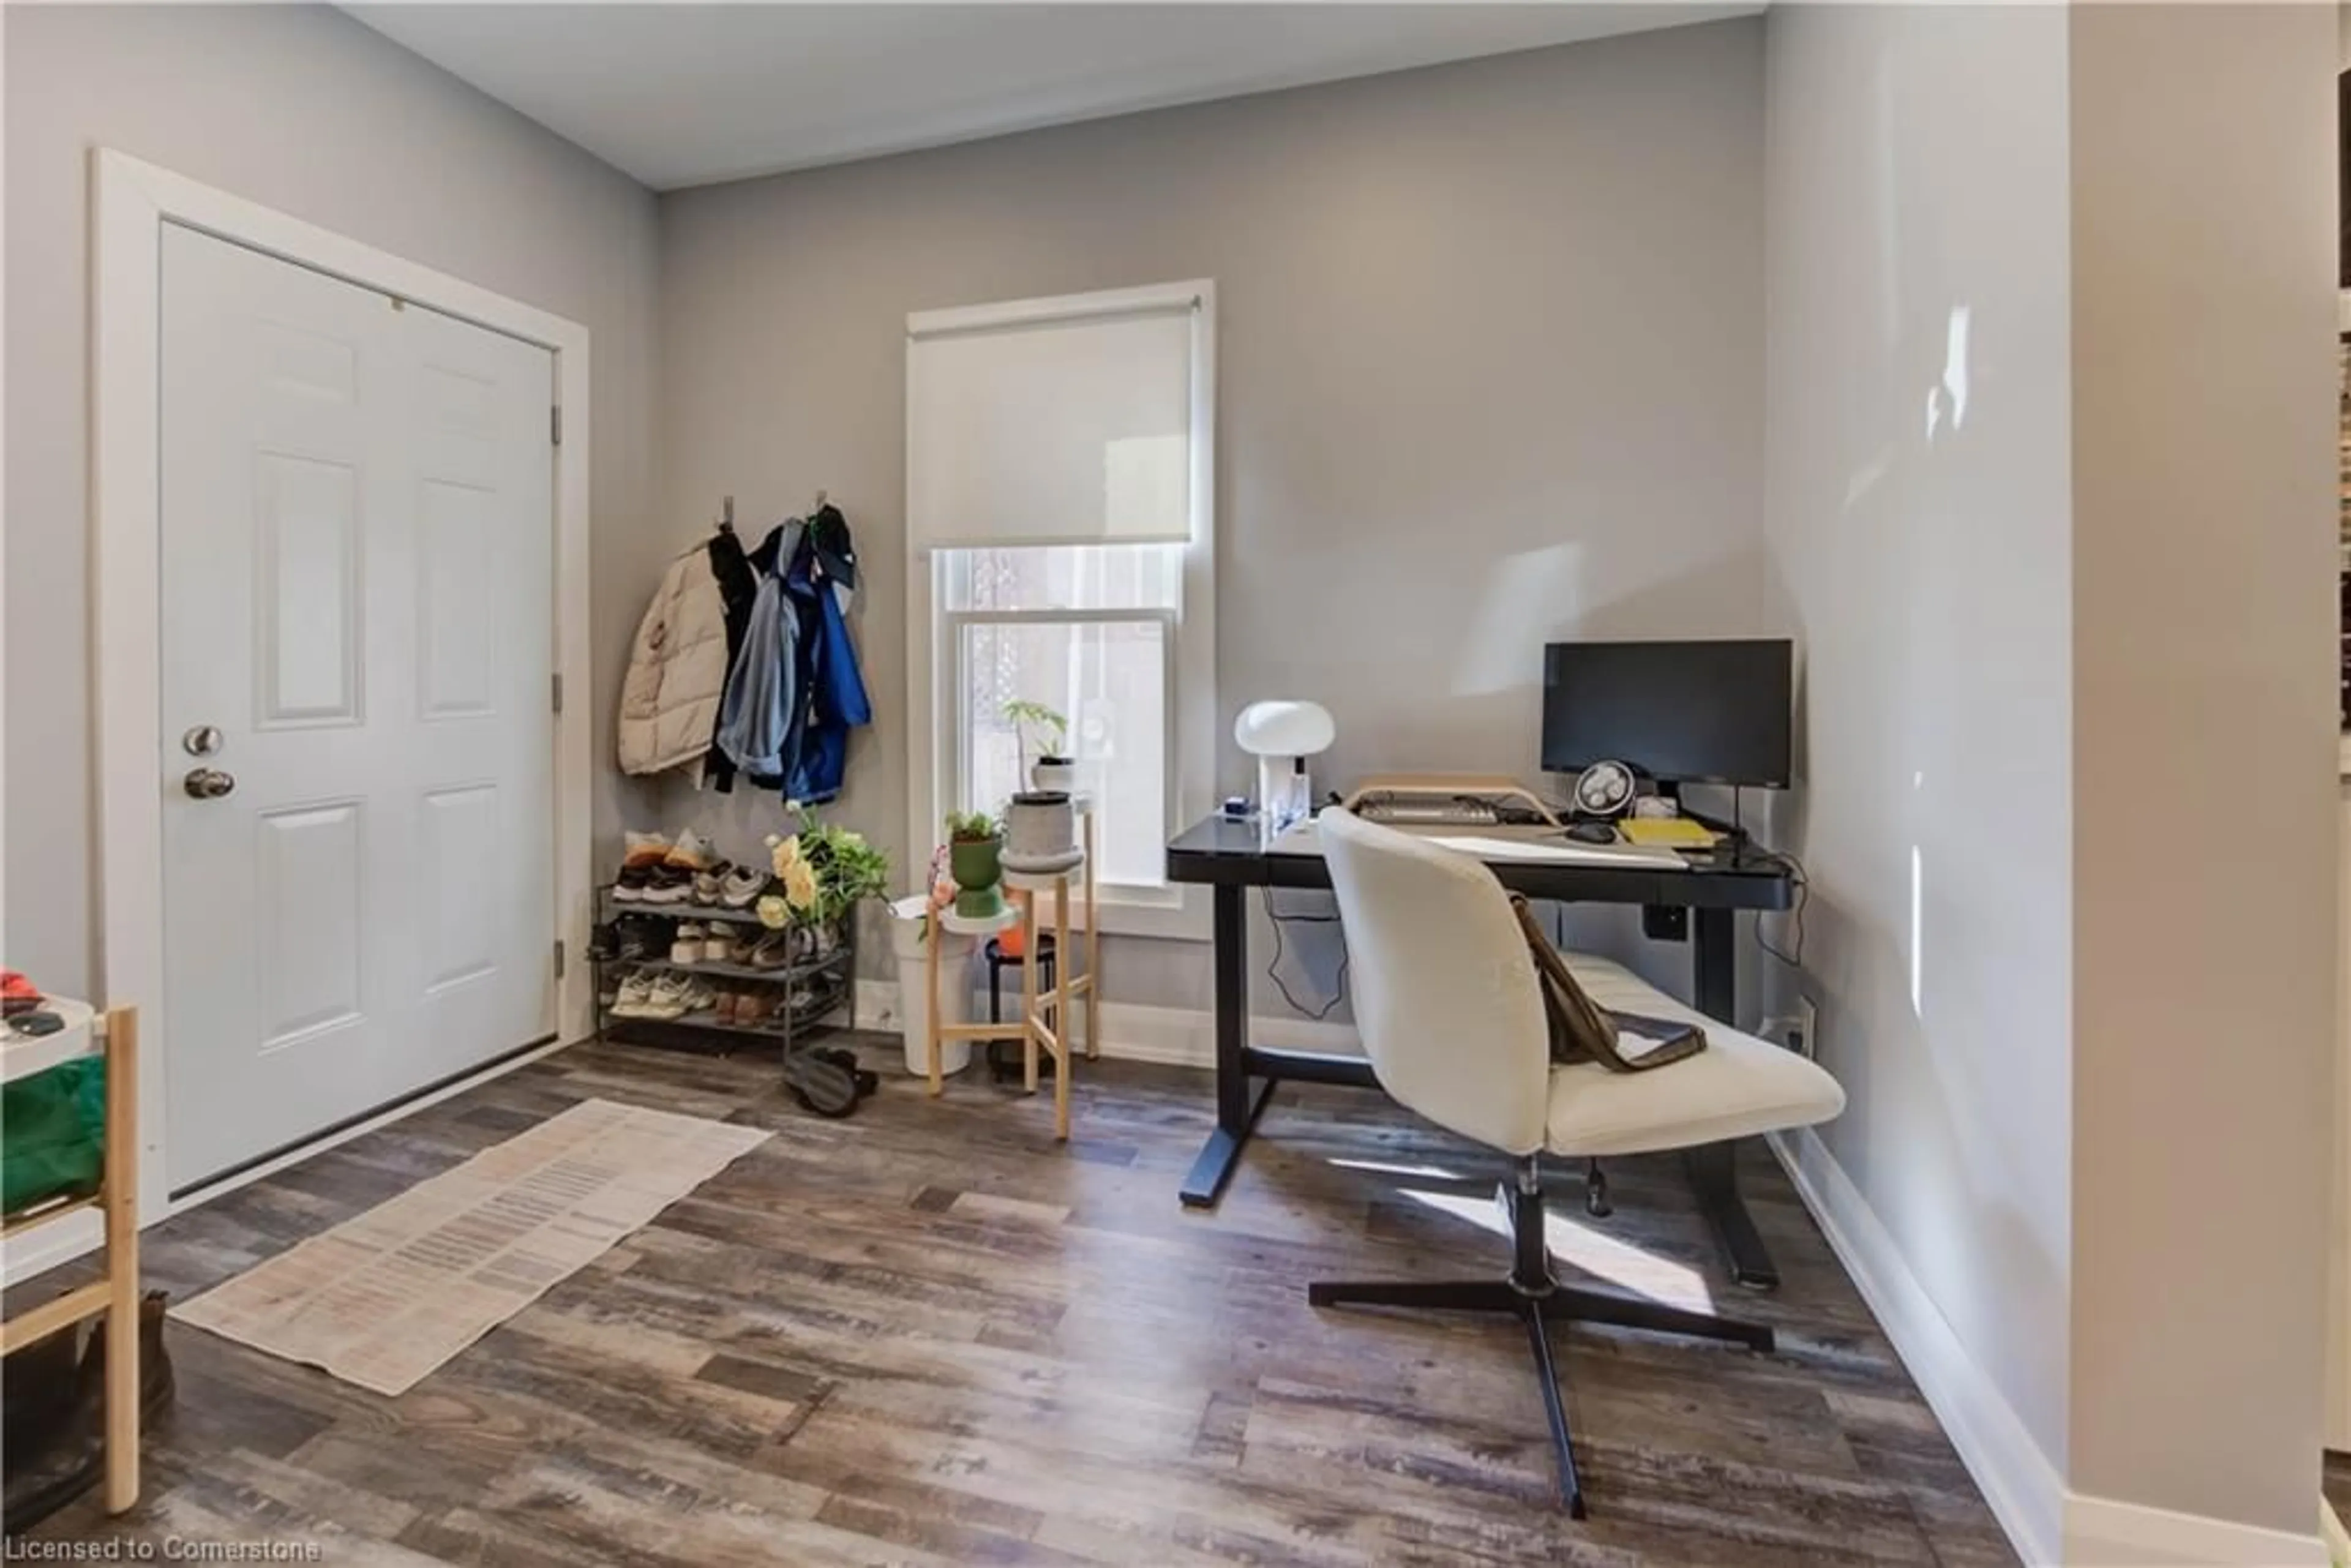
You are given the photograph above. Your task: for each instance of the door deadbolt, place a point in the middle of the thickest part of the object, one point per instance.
(208, 783)
(203, 740)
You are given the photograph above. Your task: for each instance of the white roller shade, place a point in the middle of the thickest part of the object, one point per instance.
(1056, 422)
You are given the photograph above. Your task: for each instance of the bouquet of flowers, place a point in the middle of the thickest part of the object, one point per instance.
(823, 873)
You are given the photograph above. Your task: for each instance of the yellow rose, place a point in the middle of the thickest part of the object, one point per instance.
(799, 886)
(785, 853)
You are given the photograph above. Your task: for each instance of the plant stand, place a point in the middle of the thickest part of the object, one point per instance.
(1045, 1017)
(116, 1033)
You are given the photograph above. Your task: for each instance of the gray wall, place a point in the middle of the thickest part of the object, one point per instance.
(1490, 372)
(1916, 168)
(2087, 1041)
(303, 110)
(2205, 619)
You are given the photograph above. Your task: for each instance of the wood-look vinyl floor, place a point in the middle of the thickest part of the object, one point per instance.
(929, 1335)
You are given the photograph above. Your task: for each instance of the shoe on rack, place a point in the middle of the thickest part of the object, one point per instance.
(640, 937)
(643, 853)
(710, 884)
(685, 948)
(719, 945)
(773, 950)
(604, 942)
(666, 884)
(741, 886)
(700, 996)
(635, 998)
(691, 853)
(668, 998)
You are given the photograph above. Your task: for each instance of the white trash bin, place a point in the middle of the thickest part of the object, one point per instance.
(914, 988)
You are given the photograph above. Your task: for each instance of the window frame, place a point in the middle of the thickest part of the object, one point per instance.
(934, 632)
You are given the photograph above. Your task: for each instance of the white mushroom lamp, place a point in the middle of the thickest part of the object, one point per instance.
(1274, 731)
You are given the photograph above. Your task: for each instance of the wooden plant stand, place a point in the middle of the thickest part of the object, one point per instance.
(1045, 1016)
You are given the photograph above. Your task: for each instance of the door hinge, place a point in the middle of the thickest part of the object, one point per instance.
(555, 423)
(559, 960)
(556, 682)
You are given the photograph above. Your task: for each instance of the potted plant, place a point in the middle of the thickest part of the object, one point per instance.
(825, 873)
(1051, 769)
(975, 847)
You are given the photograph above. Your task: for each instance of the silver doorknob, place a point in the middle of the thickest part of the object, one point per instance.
(208, 783)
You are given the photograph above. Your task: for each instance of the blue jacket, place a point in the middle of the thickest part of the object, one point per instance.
(831, 698)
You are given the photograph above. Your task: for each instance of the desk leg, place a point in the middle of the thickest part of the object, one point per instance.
(1713, 1168)
(1236, 1113)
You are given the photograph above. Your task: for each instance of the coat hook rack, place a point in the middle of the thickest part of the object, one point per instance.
(726, 515)
(821, 497)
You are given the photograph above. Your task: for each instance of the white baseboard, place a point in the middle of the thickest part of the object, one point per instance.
(2101, 1532)
(2025, 1489)
(1179, 1037)
(2047, 1521)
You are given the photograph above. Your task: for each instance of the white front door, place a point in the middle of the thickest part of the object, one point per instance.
(356, 602)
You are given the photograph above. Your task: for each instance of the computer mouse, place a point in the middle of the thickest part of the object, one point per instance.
(1594, 832)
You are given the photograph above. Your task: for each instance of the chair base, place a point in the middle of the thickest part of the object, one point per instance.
(1532, 1295)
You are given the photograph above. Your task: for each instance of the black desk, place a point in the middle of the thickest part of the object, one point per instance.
(1231, 858)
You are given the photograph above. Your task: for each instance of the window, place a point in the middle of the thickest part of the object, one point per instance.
(1088, 590)
(1089, 630)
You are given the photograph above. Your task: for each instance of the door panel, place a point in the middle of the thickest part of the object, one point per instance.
(306, 920)
(357, 552)
(306, 628)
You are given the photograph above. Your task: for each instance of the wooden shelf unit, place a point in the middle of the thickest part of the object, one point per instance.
(116, 1033)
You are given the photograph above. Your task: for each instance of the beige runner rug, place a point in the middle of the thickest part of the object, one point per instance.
(384, 1298)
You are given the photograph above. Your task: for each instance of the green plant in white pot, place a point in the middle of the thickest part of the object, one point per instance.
(1050, 768)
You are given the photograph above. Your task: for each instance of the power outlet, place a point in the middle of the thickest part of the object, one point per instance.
(1799, 1031)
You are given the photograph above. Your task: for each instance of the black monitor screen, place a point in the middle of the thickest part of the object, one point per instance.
(1699, 713)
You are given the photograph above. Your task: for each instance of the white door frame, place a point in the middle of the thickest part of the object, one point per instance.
(131, 202)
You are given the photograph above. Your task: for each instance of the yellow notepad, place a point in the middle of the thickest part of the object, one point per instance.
(1673, 832)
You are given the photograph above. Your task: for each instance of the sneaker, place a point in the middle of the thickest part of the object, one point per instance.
(683, 994)
(773, 950)
(740, 888)
(710, 885)
(691, 853)
(635, 998)
(685, 948)
(668, 998)
(604, 943)
(666, 884)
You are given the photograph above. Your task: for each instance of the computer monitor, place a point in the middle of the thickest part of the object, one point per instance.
(1682, 713)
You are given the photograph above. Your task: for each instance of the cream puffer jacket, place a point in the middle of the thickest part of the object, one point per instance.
(669, 703)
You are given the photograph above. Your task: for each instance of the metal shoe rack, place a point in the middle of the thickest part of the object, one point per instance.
(824, 983)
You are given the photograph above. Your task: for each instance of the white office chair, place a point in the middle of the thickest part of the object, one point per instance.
(1451, 1017)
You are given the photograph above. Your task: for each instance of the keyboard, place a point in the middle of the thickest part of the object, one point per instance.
(1430, 811)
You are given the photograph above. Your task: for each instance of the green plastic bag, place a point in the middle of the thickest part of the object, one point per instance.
(53, 1133)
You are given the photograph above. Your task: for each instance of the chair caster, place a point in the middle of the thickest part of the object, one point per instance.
(1596, 1191)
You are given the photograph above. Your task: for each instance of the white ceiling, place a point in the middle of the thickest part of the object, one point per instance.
(690, 94)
